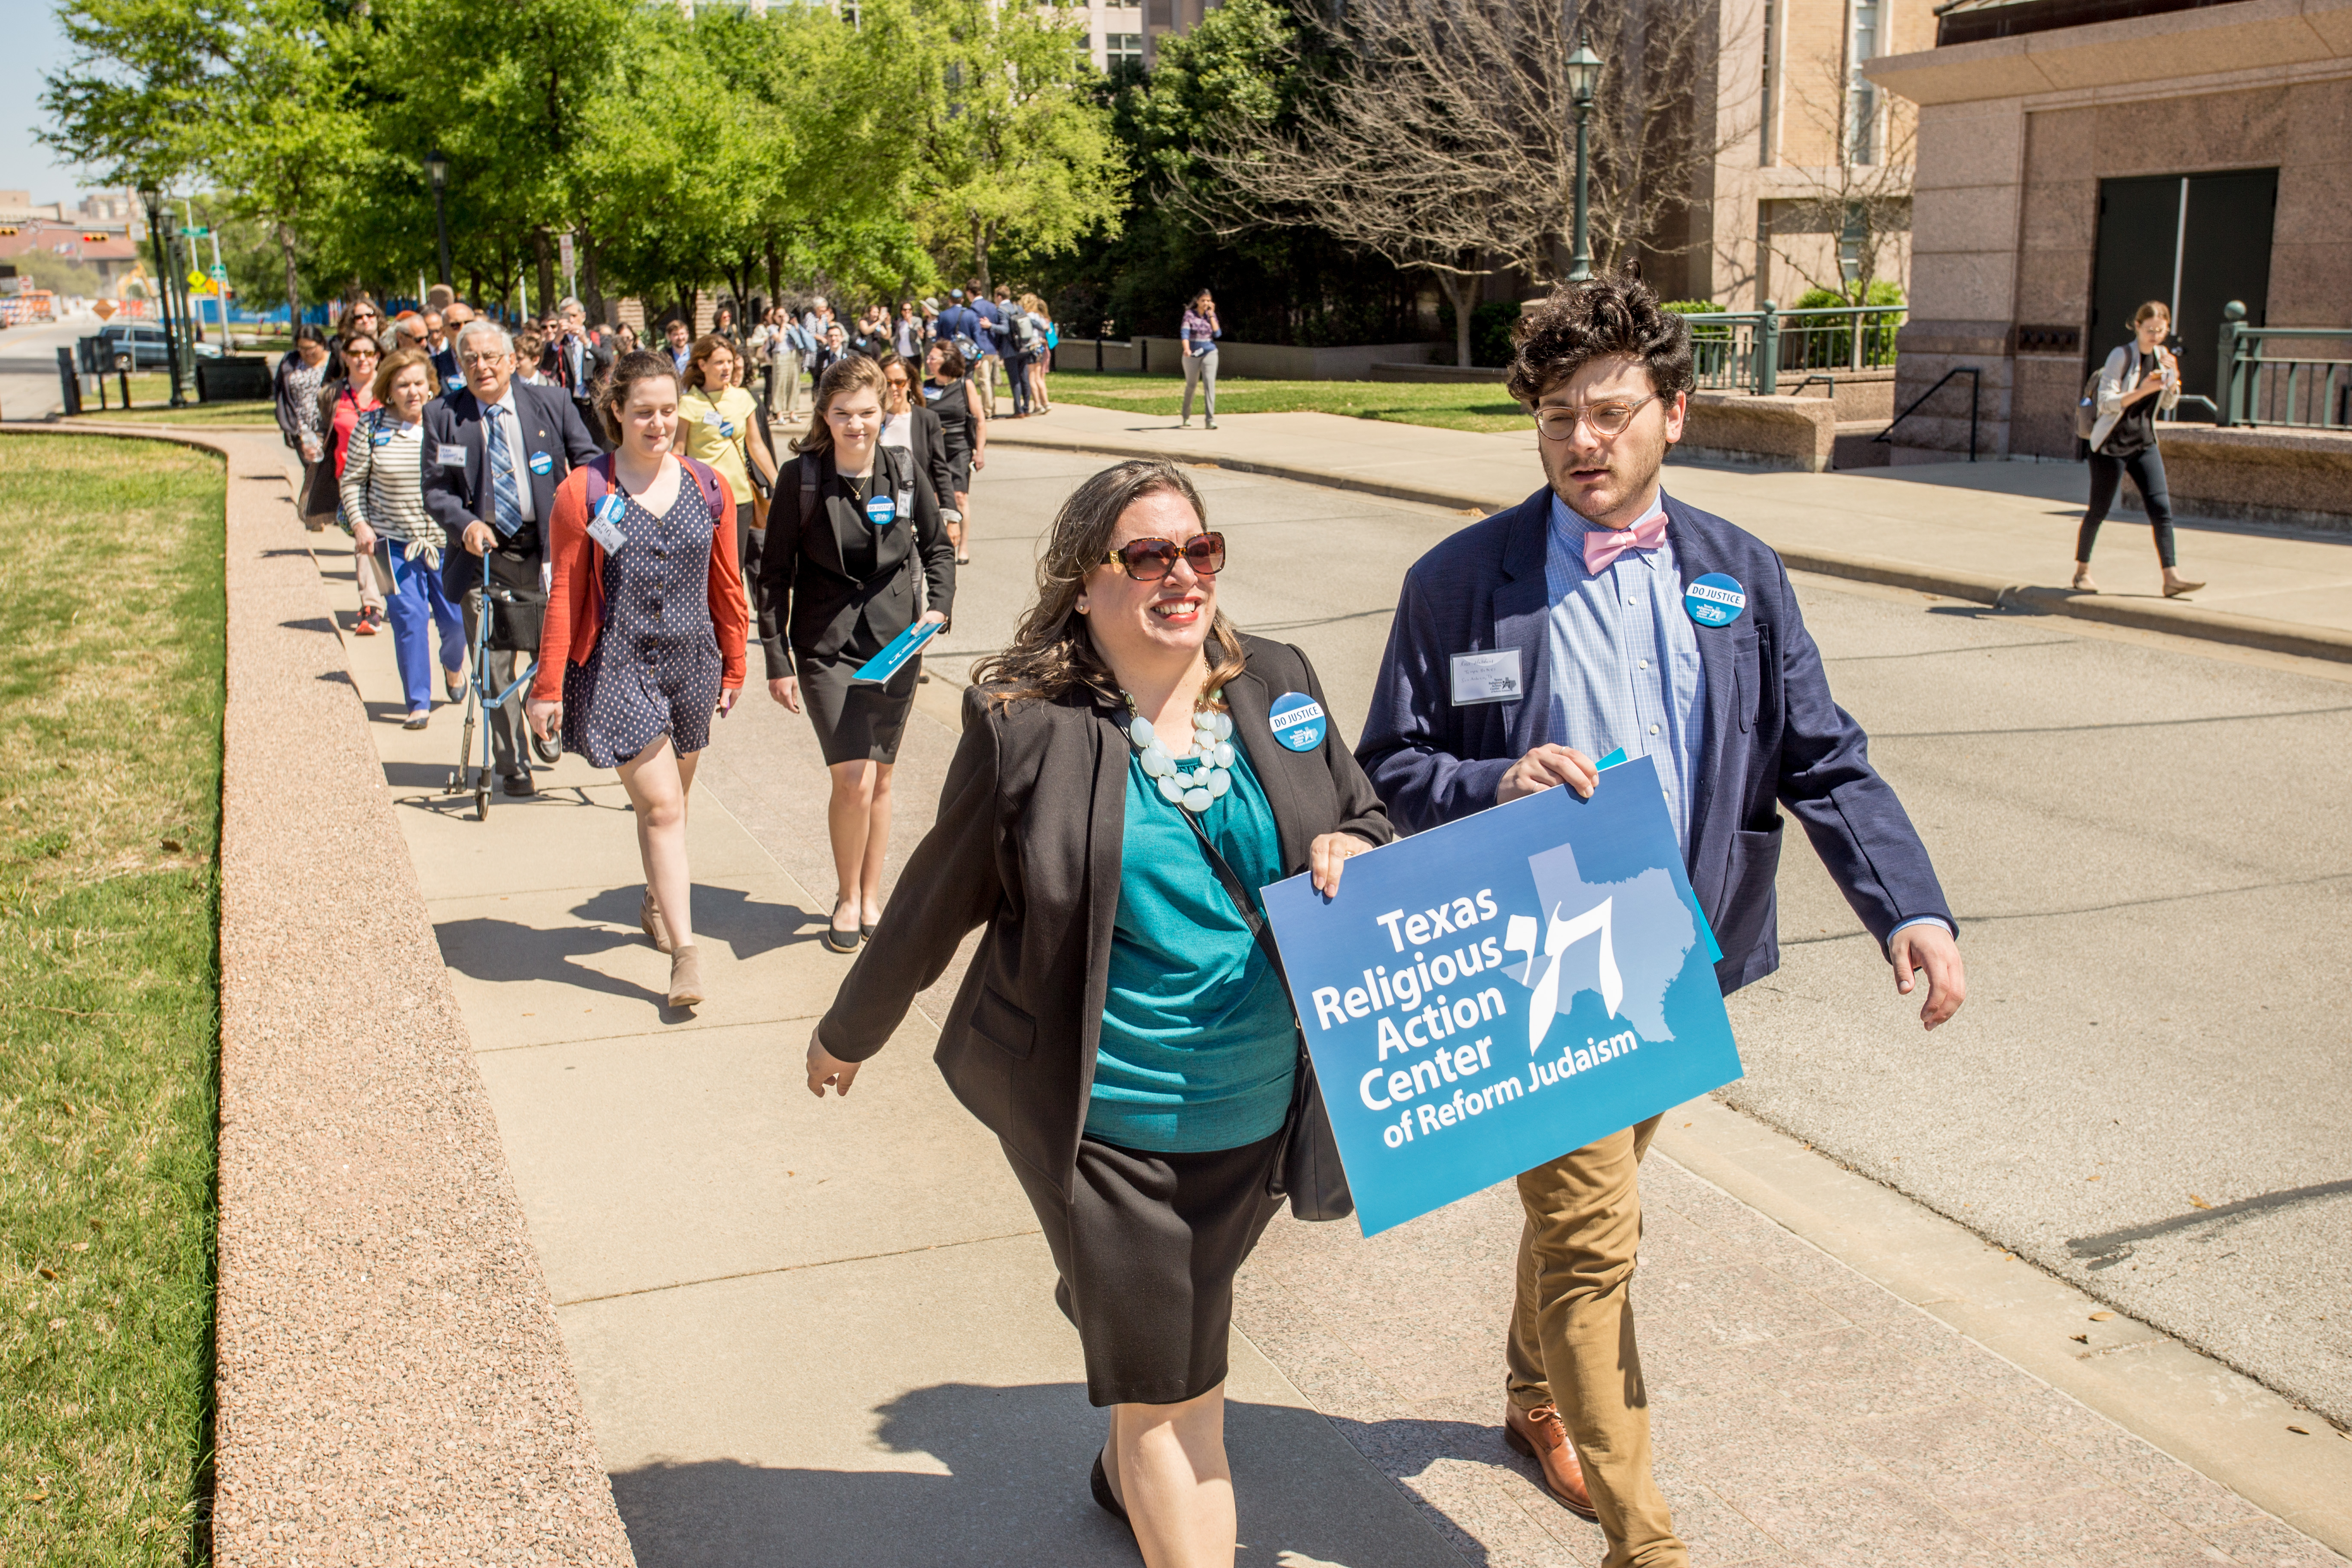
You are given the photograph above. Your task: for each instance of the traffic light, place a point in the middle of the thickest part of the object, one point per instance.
(95, 238)
(7, 228)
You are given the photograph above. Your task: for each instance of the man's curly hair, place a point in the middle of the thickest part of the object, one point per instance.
(1581, 322)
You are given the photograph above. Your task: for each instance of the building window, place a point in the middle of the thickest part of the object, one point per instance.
(1122, 47)
(1862, 137)
(1158, 13)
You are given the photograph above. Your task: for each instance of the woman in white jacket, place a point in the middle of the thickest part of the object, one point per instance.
(2139, 379)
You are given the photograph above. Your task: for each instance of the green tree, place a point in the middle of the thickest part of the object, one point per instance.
(243, 95)
(1014, 148)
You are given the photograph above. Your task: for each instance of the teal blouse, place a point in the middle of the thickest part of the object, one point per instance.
(1199, 1043)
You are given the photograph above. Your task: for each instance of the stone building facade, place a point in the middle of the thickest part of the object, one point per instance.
(2076, 157)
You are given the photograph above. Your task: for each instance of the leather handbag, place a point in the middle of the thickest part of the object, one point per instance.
(1306, 1169)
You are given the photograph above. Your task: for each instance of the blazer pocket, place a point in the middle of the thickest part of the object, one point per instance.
(1747, 888)
(1748, 679)
(1003, 1024)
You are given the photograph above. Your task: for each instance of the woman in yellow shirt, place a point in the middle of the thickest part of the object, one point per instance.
(715, 425)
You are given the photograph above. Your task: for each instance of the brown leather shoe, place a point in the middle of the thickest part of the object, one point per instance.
(1539, 1434)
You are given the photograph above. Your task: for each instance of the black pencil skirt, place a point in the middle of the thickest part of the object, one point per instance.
(855, 722)
(1147, 1245)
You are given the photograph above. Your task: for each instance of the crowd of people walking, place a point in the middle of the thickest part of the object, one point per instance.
(1119, 792)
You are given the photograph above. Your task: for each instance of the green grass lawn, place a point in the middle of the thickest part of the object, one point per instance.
(109, 785)
(150, 407)
(1455, 405)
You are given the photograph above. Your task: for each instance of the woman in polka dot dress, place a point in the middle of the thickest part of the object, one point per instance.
(648, 603)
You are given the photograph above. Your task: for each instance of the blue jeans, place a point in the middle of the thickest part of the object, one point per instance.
(414, 605)
(1016, 371)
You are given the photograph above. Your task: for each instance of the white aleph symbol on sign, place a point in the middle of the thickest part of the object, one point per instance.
(1519, 936)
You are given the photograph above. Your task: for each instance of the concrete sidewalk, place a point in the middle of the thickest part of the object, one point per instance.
(1994, 532)
(823, 1333)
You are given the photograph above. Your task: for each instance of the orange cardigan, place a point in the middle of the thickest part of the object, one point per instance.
(575, 599)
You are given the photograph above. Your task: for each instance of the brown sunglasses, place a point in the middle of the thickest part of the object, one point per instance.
(1149, 560)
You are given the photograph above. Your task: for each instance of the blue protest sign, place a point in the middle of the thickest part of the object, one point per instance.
(897, 651)
(1490, 995)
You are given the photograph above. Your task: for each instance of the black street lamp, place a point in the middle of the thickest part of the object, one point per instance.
(152, 199)
(1583, 76)
(436, 170)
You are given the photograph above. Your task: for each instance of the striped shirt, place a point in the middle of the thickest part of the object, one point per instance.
(383, 478)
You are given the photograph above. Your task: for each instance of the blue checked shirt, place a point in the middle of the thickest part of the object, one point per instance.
(1624, 661)
(1625, 668)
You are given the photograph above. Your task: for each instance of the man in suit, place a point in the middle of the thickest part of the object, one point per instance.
(578, 362)
(1596, 614)
(494, 452)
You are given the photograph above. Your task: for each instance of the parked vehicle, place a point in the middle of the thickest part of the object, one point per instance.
(140, 345)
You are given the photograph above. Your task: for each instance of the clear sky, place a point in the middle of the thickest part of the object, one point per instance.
(34, 45)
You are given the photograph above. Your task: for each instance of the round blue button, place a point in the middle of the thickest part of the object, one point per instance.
(540, 462)
(1714, 600)
(1297, 720)
(881, 510)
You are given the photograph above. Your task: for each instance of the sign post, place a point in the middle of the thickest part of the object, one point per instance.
(1488, 996)
(569, 259)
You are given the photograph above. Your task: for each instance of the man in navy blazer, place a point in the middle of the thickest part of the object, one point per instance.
(494, 453)
(1600, 613)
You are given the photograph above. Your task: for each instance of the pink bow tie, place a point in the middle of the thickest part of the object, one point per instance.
(1601, 548)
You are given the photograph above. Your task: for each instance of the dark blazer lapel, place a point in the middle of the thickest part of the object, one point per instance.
(1693, 559)
(1252, 706)
(530, 405)
(472, 418)
(1522, 614)
(1105, 842)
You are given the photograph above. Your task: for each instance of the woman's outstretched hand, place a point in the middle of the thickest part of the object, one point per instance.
(1328, 854)
(825, 1068)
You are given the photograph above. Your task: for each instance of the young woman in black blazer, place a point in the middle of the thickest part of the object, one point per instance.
(850, 526)
(1119, 1029)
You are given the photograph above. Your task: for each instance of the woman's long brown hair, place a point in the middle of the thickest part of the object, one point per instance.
(848, 373)
(1051, 653)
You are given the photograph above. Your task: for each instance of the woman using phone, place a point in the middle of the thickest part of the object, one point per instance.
(838, 582)
(2138, 380)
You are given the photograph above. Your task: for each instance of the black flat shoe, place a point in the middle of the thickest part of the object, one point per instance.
(843, 941)
(1103, 1498)
(867, 931)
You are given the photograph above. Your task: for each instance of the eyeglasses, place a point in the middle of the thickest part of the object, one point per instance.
(472, 359)
(1149, 560)
(1607, 419)
(355, 352)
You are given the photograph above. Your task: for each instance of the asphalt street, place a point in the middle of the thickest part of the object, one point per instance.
(2148, 849)
(29, 365)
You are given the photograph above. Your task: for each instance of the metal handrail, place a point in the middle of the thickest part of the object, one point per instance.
(2247, 371)
(1975, 382)
(1736, 348)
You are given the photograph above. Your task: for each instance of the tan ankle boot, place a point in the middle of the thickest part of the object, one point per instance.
(656, 929)
(685, 976)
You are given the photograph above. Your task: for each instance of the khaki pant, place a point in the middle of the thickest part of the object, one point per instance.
(1571, 1339)
(784, 388)
(371, 580)
(983, 375)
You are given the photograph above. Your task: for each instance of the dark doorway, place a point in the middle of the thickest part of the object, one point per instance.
(2146, 251)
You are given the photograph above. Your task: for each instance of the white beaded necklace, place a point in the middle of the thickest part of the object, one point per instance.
(1213, 747)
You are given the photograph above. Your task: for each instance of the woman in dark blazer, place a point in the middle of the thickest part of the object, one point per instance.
(911, 424)
(1119, 1029)
(851, 525)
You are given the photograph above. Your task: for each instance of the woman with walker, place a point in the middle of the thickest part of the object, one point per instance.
(837, 583)
(644, 635)
(1118, 790)
(948, 393)
(2139, 379)
(382, 498)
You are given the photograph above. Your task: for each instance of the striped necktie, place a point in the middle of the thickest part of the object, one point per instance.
(505, 502)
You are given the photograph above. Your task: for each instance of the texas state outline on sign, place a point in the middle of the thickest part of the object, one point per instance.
(1589, 924)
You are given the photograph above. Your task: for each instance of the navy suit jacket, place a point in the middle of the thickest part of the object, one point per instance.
(458, 494)
(1773, 738)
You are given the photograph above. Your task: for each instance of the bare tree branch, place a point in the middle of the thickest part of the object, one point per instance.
(1864, 206)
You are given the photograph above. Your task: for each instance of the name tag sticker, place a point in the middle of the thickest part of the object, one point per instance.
(452, 455)
(1297, 720)
(604, 528)
(1486, 678)
(542, 463)
(1714, 600)
(881, 510)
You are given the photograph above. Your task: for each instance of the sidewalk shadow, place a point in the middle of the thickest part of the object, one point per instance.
(506, 951)
(1015, 1496)
(749, 927)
